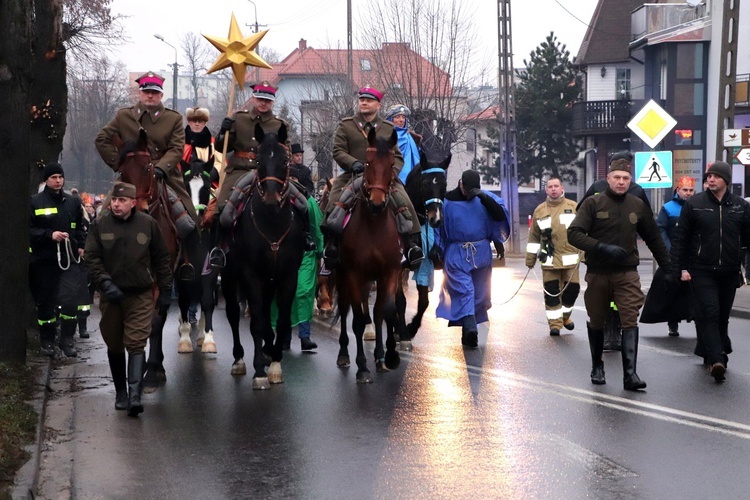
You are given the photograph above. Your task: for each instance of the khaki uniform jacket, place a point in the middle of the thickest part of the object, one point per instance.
(242, 136)
(166, 139)
(130, 252)
(557, 216)
(350, 140)
(616, 219)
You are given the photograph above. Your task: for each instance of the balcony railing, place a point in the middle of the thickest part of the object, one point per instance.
(601, 117)
(650, 19)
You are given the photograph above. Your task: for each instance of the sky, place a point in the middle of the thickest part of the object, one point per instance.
(323, 24)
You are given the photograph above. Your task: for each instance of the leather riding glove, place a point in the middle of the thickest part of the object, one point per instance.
(612, 251)
(358, 167)
(159, 173)
(226, 124)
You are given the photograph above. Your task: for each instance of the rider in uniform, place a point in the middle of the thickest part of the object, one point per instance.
(244, 146)
(349, 151)
(166, 136)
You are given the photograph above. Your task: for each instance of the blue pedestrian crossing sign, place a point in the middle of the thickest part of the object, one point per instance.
(653, 169)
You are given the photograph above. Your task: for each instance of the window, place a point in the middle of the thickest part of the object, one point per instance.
(365, 65)
(688, 99)
(622, 84)
(471, 139)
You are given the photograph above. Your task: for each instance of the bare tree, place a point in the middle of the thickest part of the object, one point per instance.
(198, 54)
(96, 90)
(423, 54)
(90, 28)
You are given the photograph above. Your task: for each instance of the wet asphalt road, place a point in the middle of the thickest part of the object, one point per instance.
(516, 417)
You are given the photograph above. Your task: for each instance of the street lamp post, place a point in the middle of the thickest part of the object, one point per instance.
(257, 69)
(174, 71)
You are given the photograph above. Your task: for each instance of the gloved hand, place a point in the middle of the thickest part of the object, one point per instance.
(358, 167)
(500, 249)
(226, 124)
(435, 254)
(478, 193)
(111, 291)
(164, 301)
(671, 279)
(159, 173)
(612, 251)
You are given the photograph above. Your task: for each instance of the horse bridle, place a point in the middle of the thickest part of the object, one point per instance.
(284, 184)
(366, 186)
(148, 171)
(435, 170)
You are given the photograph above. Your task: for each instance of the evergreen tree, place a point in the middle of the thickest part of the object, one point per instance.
(544, 96)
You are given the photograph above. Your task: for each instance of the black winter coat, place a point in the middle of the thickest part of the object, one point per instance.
(52, 212)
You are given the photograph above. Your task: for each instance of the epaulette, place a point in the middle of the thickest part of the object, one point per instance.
(347, 119)
(242, 111)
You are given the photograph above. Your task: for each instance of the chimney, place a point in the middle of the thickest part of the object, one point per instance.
(302, 44)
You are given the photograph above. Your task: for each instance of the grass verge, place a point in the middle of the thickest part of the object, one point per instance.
(17, 420)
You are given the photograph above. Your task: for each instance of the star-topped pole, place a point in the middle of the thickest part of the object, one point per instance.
(239, 53)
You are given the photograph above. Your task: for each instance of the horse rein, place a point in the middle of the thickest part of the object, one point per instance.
(284, 184)
(366, 186)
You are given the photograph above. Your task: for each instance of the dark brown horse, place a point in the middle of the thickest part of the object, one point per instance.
(135, 167)
(264, 260)
(326, 279)
(371, 251)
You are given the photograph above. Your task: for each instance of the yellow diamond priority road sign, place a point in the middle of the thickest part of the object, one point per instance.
(652, 124)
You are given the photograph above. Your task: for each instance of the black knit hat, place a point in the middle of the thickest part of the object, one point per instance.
(51, 169)
(722, 169)
(470, 180)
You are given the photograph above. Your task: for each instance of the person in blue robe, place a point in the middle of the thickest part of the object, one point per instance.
(408, 140)
(473, 218)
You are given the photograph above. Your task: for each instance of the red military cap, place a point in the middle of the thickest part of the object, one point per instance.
(150, 81)
(369, 92)
(264, 90)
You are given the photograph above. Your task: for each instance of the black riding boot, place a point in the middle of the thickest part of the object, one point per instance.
(331, 251)
(631, 380)
(218, 256)
(117, 367)
(596, 344)
(67, 332)
(413, 252)
(82, 330)
(136, 364)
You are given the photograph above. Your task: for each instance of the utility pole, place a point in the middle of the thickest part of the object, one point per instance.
(507, 121)
(174, 72)
(727, 75)
(255, 30)
(349, 65)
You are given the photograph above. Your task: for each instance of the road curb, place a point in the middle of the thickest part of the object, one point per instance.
(26, 480)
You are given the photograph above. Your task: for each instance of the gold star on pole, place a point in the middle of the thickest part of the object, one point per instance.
(237, 52)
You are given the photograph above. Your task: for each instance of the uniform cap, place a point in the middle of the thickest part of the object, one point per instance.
(621, 161)
(150, 81)
(123, 190)
(51, 169)
(722, 169)
(370, 93)
(197, 114)
(264, 90)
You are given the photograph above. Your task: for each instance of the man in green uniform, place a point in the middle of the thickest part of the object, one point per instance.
(166, 136)
(126, 257)
(606, 227)
(349, 151)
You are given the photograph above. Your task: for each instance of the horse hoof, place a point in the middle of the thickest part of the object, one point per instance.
(184, 346)
(405, 346)
(261, 384)
(274, 373)
(199, 340)
(239, 368)
(380, 366)
(364, 378)
(392, 360)
(209, 346)
(343, 362)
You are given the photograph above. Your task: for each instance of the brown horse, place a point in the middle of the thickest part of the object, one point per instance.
(135, 167)
(326, 279)
(371, 251)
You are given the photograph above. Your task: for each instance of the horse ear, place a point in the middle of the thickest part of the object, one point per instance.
(393, 140)
(142, 139)
(259, 134)
(447, 162)
(371, 138)
(282, 135)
